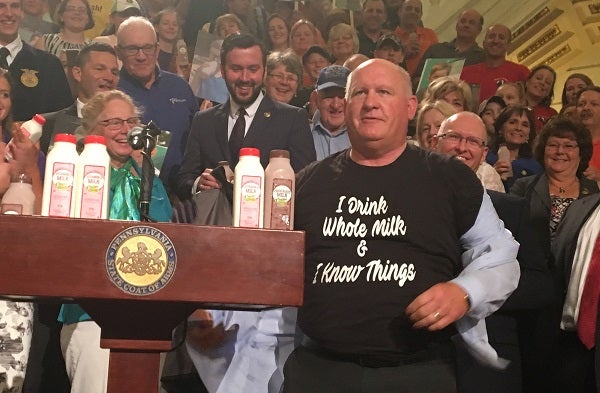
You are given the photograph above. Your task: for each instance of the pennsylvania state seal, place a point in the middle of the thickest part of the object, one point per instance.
(141, 260)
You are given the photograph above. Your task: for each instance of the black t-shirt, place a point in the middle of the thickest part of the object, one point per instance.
(376, 238)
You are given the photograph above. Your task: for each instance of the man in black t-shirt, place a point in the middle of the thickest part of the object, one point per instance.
(403, 249)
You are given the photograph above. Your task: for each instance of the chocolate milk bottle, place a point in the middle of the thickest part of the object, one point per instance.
(280, 182)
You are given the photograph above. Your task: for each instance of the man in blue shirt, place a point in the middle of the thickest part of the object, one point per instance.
(166, 98)
(328, 125)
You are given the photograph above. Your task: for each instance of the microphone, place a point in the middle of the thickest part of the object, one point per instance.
(135, 137)
(143, 136)
(135, 131)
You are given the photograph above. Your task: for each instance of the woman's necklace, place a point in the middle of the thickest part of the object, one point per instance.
(565, 188)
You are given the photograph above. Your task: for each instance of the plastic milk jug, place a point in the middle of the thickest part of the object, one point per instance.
(92, 179)
(59, 193)
(280, 184)
(248, 190)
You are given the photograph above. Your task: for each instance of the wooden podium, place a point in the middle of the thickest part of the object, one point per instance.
(215, 267)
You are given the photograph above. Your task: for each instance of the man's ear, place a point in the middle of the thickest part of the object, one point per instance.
(119, 53)
(76, 72)
(484, 155)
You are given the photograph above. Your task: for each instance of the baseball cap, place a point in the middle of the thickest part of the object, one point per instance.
(496, 99)
(332, 76)
(123, 5)
(389, 39)
(315, 49)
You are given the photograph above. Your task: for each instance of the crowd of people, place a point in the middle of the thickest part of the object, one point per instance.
(450, 214)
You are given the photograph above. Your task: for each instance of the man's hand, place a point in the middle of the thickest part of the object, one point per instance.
(205, 105)
(438, 307)
(503, 168)
(207, 181)
(202, 334)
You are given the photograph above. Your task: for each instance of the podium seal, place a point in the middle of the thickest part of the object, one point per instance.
(141, 260)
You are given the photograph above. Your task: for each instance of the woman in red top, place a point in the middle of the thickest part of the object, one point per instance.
(539, 91)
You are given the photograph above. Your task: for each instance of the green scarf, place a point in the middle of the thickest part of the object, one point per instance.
(125, 191)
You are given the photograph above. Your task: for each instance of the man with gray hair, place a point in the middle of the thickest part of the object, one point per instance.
(167, 99)
(328, 124)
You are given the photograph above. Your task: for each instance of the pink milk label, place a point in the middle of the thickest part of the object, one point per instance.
(250, 206)
(61, 189)
(92, 195)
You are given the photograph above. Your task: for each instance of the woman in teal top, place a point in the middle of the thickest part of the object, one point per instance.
(110, 114)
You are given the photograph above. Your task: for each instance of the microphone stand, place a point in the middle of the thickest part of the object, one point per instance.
(148, 137)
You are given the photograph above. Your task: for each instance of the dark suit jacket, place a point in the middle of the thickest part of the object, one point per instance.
(533, 292)
(64, 121)
(535, 189)
(563, 252)
(275, 126)
(40, 84)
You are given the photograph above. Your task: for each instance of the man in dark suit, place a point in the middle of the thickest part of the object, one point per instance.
(577, 366)
(464, 136)
(39, 81)
(95, 70)
(268, 124)
(265, 337)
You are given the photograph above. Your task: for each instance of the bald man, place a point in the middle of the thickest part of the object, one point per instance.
(463, 136)
(495, 69)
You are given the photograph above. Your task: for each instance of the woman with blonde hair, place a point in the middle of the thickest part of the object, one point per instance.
(429, 119)
(111, 114)
(342, 42)
(456, 92)
(303, 35)
(228, 24)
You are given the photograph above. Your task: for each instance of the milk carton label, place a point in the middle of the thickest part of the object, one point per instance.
(61, 189)
(281, 204)
(93, 183)
(250, 206)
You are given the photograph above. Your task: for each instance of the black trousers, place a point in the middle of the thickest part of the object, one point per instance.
(309, 370)
(574, 369)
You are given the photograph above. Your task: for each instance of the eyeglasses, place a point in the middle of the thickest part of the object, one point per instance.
(563, 146)
(81, 10)
(116, 123)
(455, 138)
(283, 78)
(132, 50)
